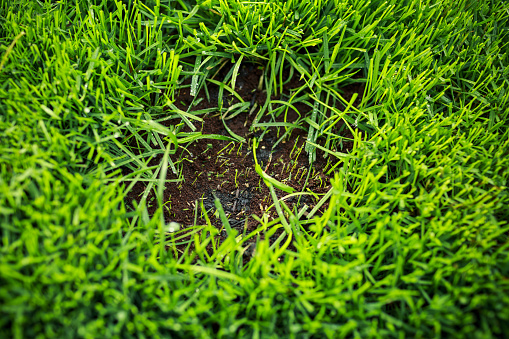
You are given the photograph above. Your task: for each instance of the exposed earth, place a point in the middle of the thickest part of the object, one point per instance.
(225, 169)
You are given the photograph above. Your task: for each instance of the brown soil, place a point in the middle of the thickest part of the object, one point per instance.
(223, 169)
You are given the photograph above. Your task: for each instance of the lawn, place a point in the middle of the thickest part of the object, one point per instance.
(254, 168)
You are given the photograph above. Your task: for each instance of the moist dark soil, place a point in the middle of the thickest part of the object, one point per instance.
(225, 170)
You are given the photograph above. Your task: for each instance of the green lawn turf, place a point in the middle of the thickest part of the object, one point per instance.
(414, 241)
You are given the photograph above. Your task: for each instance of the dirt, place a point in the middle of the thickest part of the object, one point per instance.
(226, 170)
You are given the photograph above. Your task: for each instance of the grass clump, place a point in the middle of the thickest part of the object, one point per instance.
(411, 238)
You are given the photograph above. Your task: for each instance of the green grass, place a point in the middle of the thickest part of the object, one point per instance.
(414, 241)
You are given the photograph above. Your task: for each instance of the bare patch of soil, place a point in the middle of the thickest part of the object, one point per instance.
(225, 170)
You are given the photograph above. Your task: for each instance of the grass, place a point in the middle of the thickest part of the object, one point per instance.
(414, 241)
